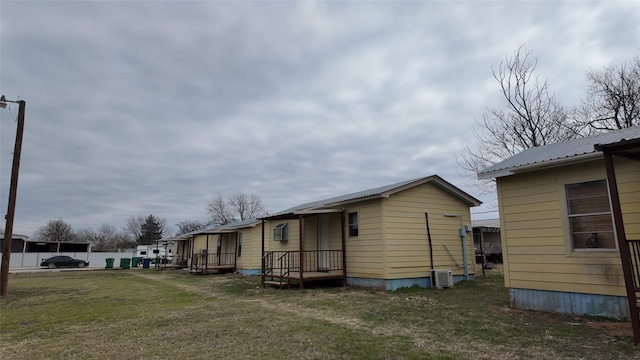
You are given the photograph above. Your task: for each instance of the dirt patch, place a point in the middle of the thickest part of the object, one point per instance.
(611, 328)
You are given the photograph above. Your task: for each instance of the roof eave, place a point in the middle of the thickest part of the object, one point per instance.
(539, 166)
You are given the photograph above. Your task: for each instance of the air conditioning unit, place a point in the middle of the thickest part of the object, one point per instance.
(204, 251)
(442, 278)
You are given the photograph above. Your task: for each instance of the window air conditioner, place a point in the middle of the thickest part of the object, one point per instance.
(204, 251)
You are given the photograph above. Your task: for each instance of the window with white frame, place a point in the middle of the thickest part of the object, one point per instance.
(589, 212)
(281, 232)
(353, 224)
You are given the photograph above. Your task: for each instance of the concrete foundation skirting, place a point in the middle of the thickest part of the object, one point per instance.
(395, 284)
(609, 306)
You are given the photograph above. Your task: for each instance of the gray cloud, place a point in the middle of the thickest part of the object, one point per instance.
(155, 107)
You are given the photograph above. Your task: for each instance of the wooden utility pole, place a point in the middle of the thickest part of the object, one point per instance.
(11, 207)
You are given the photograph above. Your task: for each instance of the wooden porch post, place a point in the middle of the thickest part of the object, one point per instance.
(235, 253)
(193, 249)
(262, 258)
(206, 258)
(301, 255)
(625, 255)
(344, 247)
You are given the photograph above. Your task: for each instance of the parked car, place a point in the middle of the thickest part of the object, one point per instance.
(63, 261)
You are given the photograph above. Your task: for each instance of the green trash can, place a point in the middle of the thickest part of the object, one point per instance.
(134, 261)
(109, 263)
(124, 263)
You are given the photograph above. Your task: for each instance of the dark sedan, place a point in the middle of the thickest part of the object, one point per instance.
(63, 261)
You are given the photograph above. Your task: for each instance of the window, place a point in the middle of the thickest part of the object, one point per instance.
(281, 232)
(353, 224)
(589, 212)
(239, 244)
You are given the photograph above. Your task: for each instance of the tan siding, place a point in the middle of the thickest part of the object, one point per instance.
(364, 252)
(406, 239)
(534, 233)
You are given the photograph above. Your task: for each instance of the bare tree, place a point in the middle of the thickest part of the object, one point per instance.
(135, 223)
(56, 230)
(613, 97)
(188, 226)
(531, 116)
(238, 206)
(108, 238)
(247, 206)
(219, 211)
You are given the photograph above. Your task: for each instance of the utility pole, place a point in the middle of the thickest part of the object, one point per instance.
(13, 189)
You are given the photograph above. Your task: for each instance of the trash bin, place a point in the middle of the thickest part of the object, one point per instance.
(109, 263)
(145, 263)
(135, 261)
(124, 263)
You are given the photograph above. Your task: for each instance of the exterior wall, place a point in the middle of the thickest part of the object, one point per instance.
(250, 261)
(406, 245)
(292, 244)
(536, 245)
(364, 253)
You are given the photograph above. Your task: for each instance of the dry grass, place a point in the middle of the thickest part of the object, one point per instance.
(171, 314)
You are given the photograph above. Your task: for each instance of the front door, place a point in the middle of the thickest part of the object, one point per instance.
(323, 243)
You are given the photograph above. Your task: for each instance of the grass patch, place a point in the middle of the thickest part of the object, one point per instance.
(172, 314)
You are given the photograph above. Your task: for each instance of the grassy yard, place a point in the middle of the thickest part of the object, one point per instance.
(147, 314)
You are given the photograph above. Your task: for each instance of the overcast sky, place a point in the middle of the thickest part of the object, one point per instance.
(139, 107)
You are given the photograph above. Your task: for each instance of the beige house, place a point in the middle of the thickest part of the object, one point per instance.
(230, 247)
(568, 214)
(388, 237)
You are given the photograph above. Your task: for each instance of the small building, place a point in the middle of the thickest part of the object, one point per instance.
(22, 244)
(569, 214)
(486, 241)
(389, 237)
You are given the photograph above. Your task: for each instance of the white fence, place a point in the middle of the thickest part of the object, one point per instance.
(96, 259)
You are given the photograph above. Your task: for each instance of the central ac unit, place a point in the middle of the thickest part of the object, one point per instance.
(442, 278)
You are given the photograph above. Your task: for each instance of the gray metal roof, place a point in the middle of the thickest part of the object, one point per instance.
(557, 154)
(489, 223)
(377, 192)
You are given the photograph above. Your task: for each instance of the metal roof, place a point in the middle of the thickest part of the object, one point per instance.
(378, 192)
(487, 223)
(576, 150)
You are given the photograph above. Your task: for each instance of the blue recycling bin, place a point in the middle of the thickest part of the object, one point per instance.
(145, 263)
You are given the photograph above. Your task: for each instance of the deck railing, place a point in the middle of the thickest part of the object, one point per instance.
(634, 250)
(211, 261)
(282, 263)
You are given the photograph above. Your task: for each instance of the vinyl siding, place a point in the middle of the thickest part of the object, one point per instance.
(406, 240)
(292, 244)
(251, 258)
(365, 251)
(535, 236)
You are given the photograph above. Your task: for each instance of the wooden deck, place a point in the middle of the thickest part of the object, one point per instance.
(213, 269)
(281, 268)
(308, 275)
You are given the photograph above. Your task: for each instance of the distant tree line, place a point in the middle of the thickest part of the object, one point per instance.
(146, 229)
(138, 230)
